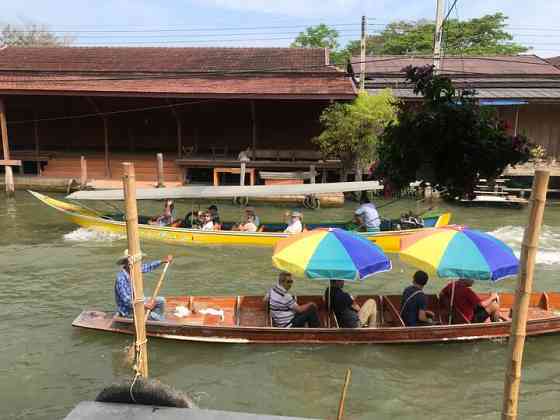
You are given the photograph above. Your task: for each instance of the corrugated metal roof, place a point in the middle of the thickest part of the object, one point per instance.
(495, 93)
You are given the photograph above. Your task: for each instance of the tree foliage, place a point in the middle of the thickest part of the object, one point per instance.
(320, 36)
(486, 35)
(447, 140)
(31, 35)
(351, 130)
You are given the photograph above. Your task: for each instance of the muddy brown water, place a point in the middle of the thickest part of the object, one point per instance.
(51, 270)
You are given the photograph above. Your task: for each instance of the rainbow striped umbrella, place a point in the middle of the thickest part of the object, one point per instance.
(324, 254)
(457, 252)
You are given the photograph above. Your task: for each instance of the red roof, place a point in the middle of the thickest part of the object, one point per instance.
(484, 66)
(163, 60)
(290, 73)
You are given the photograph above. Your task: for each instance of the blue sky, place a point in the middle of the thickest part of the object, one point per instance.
(275, 22)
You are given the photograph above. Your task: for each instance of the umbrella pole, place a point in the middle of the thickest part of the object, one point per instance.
(451, 302)
(523, 294)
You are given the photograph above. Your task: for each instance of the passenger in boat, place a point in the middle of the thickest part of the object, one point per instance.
(366, 216)
(295, 226)
(414, 303)
(348, 313)
(248, 226)
(207, 222)
(467, 303)
(251, 211)
(123, 289)
(168, 215)
(213, 210)
(284, 309)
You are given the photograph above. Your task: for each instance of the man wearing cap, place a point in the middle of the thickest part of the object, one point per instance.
(295, 225)
(123, 289)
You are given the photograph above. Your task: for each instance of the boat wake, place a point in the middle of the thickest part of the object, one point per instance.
(87, 235)
(548, 253)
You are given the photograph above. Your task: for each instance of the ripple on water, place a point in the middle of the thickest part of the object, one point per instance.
(88, 235)
(548, 253)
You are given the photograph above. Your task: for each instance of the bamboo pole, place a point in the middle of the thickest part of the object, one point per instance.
(83, 172)
(129, 185)
(523, 294)
(160, 182)
(158, 287)
(9, 175)
(343, 395)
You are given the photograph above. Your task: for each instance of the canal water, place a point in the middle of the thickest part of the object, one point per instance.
(50, 270)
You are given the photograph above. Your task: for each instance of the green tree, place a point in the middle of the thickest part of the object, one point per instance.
(448, 140)
(31, 35)
(486, 35)
(351, 130)
(322, 36)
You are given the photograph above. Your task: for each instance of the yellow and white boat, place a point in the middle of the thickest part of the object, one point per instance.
(389, 241)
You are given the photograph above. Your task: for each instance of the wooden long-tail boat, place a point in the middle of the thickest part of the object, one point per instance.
(388, 240)
(246, 320)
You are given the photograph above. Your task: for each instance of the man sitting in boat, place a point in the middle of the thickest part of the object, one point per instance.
(366, 216)
(248, 226)
(123, 289)
(252, 211)
(295, 226)
(468, 305)
(414, 303)
(216, 223)
(207, 222)
(167, 217)
(348, 313)
(284, 309)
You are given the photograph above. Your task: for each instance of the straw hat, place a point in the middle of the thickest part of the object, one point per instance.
(124, 257)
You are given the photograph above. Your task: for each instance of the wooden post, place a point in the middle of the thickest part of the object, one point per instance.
(253, 126)
(36, 135)
(242, 173)
(129, 186)
(312, 173)
(10, 188)
(523, 295)
(106, 143)
(516, 124)
(343, 395)
(160, 181)
(83, 172)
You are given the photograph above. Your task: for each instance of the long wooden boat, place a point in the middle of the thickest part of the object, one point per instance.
(389, 240)
(245, 320)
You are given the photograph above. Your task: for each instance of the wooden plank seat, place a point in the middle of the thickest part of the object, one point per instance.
(195, 304)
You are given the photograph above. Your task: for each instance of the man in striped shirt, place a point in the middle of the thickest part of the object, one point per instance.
(285, 310)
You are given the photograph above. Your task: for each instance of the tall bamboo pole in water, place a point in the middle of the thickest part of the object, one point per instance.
(523, 295)
(135, 261)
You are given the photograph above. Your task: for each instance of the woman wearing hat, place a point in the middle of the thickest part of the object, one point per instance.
(123, 289)
(295, 226)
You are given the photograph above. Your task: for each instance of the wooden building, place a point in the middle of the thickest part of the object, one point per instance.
(115, 104)
(525, 89)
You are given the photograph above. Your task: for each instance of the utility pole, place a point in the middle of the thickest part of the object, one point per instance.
(438, 36)
(363, 54)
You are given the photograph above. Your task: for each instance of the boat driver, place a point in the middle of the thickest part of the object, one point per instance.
(123, 289)
(366, 216)
(284, 309)
(295, 226)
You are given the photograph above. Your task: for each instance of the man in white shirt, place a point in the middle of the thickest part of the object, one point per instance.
(295, 225)
(366, 216)
(207, 222)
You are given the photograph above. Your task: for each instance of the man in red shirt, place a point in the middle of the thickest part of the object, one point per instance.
(469, 304)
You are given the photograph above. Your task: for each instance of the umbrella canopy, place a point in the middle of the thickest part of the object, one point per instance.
(324, 254)
(457, 252)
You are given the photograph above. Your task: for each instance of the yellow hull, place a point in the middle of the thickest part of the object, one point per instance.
(389, 241)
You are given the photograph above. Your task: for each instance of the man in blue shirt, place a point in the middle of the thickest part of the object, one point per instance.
(414, 304)
(123, 290)
(366, 216)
